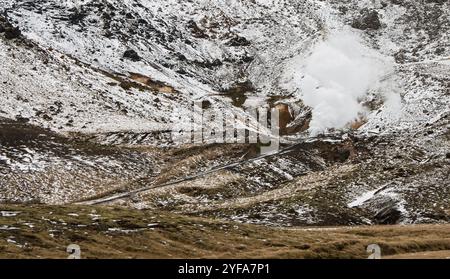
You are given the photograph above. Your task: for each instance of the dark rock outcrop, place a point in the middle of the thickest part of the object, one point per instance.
(132, 55)
(238, 41)
(388, 215)
(368, 19)
(10, 32)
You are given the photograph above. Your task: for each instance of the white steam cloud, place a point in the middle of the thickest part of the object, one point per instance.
(334, 78)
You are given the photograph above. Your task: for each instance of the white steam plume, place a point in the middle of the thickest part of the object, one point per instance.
(334, 78)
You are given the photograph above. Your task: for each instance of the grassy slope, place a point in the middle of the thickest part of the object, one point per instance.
(45, 232)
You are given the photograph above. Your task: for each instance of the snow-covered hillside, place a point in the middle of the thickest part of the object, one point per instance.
(365, 84)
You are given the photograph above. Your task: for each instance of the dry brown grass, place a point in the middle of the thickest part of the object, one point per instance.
(175, 236)
(158, 86)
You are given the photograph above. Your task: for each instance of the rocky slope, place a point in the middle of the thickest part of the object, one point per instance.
(91, 89)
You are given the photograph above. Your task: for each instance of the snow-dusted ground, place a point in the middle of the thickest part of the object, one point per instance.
(68, 73)
(201, 48)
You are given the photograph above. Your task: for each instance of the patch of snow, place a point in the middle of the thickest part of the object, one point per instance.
(362, 199)
(9, 213)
